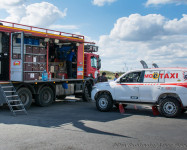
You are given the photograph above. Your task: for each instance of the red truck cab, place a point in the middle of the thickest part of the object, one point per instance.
(92, 62)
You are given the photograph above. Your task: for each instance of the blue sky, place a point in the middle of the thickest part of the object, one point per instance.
(126, 31)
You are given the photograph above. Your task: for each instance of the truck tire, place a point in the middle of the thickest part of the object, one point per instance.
(170, 107)
(45, 97)
(26, 97)
(86, 95)
(104, 102)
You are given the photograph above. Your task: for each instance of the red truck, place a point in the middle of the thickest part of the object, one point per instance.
(27, 51)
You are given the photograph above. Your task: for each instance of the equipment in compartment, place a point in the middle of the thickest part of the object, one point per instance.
(35, 58)
(31, 76)
(42, 50)
(35, 50)
(28, 58)
(28, 49)
(36, 67)
(42, 67)
(28, 67)
(42, 58)
(16, 56)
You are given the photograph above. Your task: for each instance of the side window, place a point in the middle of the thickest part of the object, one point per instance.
(154, 76)
(93, 62)
(132, 77)
(151, 76)
(16, 46)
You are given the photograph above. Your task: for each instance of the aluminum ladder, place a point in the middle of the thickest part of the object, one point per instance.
(12, 99)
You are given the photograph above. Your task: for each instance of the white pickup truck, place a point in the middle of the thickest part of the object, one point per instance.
(162, 87)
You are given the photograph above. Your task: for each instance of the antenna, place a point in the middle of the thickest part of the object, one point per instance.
(144, 64)
(155, 65)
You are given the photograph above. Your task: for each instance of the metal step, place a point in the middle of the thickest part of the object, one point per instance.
(16, 105)
(15, 98)
(19, 110)
(9, 91)
(12, 96)
(7, 87)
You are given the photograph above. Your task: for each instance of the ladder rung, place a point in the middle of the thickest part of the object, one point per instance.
(7, 86)
(19, 110)
(17, 105)
(12, 96)
(14, 100)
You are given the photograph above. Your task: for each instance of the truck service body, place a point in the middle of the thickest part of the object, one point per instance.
(26, 51)
(162, 87)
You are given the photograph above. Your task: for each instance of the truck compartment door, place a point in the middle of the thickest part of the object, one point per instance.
(17, 47)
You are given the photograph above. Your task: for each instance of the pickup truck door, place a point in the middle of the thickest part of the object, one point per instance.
(127, 87)
(151, 87)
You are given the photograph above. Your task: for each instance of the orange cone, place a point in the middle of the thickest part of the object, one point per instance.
(155, 111)
(121, 108)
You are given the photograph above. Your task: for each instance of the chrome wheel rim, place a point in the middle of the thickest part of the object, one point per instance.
(170, 108)
(103, 103)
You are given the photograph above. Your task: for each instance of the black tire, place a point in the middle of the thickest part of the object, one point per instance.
(104, 102)
(117, 105)
(45, 97)
(170, 107)
(26, 97)
(87, 94)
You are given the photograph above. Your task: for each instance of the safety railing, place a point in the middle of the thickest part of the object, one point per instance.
(47, 31)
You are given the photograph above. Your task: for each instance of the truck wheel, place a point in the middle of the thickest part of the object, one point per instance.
(86, 96)
(26, 97)
(104, 102)
(45, 97)
(170, 107)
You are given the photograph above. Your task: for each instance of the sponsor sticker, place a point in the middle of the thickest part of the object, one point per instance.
(16, 63)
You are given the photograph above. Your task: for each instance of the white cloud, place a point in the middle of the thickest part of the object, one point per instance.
(143, 28)
(152, 38)
(59, 27)
(102, 2)
(11, 3)
(158, 2)
(42, 14)
(37, 14)
(137, 27)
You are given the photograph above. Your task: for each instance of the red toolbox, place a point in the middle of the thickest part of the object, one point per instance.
(28, 49)
(42, 58)
(27, 67)
(31, 76)
(36, 58)
(35, 50)
(28, 58)
(43, 50)
(36, 67)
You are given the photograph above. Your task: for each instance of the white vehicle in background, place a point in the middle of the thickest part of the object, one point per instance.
(162, 87)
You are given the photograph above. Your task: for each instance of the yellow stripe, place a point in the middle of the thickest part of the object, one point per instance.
(41, 32)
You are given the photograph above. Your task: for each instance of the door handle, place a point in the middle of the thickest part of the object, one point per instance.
(159, 87)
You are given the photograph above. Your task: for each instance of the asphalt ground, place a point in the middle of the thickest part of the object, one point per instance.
(77, 125)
